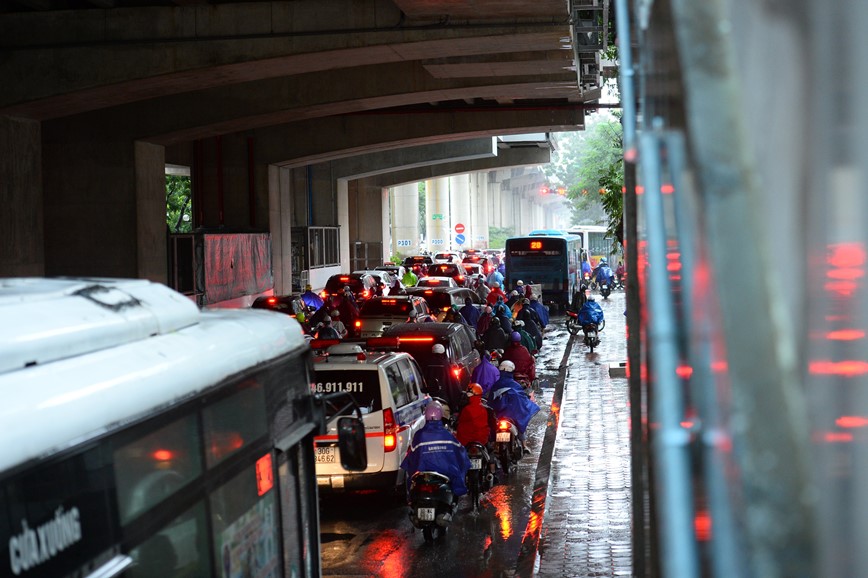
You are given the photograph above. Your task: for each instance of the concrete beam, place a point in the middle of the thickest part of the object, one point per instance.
(406, 158)
(506, 158)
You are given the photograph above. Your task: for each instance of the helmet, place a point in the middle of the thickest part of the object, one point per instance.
(307, 287)
(433, 412)
(507, 365)
(603, 260)
(335, 313)
(438, 348)
(474, 389)
(519, 282)
(495, 284)
(516, 336)
(347, 288)
(518, 323)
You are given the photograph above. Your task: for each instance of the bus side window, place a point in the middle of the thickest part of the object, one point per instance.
(152, 468)
(233, 422)
(179, 549)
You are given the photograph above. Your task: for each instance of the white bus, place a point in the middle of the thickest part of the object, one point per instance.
(142, 437)
(596, 242)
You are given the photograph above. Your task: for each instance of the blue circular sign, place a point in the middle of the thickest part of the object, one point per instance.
(460, 239)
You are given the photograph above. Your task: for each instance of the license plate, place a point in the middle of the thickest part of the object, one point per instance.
(326, 455)
(502, 436)
(475, 463)
(425, 514)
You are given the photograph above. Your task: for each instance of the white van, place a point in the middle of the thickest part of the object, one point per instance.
(388, 387)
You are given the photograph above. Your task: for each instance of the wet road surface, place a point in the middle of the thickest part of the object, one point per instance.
(371, 535)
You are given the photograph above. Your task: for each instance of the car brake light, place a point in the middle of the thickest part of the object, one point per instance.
(324, 294)
(375, 342)
(503, 425)
(388, 301)
(417, 339)
(358, 324)
(365, 293)
(345, 278)
(272, 300)
(461, 277)
(456, 371)
(390, 439)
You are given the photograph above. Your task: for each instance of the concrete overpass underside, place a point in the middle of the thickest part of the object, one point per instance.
(278, 108)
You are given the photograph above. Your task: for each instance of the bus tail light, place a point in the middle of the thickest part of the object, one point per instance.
(390, 429)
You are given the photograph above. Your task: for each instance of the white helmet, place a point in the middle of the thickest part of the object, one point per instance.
(438, 348)
(507, 365)
(603, 260)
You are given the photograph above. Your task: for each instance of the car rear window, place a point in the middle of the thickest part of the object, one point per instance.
(338, 283)
(386, 307)
(443, 269)
(437, 300)
(420, 350)
(363, 386)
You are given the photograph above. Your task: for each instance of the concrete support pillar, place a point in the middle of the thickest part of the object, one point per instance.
(480, 210)
(437, 214)
(460, 211)
(405, 219)
(21, 216)
(280, 225)
(369, 224)
(150, 192)
(494, 210)
(342, 189)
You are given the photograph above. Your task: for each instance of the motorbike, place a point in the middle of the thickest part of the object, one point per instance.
(507, 445)
(605, 289)
(573, 325)
(480, 476)
(430, 504)
(526, 383)
(592, 335)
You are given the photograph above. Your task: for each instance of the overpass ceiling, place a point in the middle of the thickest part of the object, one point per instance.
(174, 71)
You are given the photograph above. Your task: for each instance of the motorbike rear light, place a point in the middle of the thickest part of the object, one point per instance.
(456, 371)
(503, 425)
(426, 488)
(272, 300)
(390, 428)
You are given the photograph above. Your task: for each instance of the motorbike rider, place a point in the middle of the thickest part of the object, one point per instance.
(495, 337)
(337, 323)
(521, 358)
(485, 374)
(326, 331)
(469, 312)
(435, 449)
(540, 310)
(409, 279)
(439, 379)
(603, 273)
(526, 339)
(311, 299)
(484, 321)
(531, 323)
(508, 399)
(620, 271)
(495, 294)
(476, 422)
(495, 276)
(480, 288)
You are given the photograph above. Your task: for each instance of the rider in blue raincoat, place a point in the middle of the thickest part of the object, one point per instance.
(540, 309)
(435, 449)
(603, 273)
(508, 399)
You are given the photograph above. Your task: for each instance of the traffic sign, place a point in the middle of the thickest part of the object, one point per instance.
(459, 239)
(459, 228)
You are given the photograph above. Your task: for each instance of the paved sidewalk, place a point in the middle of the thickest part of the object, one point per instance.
(586, 529)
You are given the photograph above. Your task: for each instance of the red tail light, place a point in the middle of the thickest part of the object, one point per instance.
(460, 278)
(365, 293)
(272, 300)
(426, 488)
(503, 425)
(358, 324)
(324, 294)
(456, 371)
(390, 439)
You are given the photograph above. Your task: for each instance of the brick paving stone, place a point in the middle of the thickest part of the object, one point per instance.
(586, 529)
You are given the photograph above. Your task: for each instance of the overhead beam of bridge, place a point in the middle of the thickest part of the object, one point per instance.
(405, 158)
(253, 105)
(506, 158)
(336, 137)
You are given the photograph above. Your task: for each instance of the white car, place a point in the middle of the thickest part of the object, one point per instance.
(388, 387)
(436, 282)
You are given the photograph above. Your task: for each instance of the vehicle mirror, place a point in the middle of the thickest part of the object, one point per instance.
(351, 443)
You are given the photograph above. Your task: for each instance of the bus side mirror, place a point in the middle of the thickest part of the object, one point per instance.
(351, 443)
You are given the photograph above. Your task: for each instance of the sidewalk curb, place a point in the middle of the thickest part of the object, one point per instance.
(524, 566)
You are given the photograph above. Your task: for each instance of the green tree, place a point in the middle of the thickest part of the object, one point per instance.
(600, 174)
(179, 213)
(497, 236)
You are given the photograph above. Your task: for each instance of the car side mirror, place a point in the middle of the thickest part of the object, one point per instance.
(351, 443)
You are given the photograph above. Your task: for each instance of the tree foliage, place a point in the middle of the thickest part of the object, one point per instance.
(179, 211)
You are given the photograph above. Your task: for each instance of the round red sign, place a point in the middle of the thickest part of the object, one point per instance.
(459, 228)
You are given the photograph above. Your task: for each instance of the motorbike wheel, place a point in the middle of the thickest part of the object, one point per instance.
(592, 340)
(474, 487)
(428, 533)
(573, 325)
